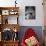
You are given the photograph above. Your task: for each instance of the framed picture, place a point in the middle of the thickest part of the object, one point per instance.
(13, 12)
(5, 12)
(30, 12)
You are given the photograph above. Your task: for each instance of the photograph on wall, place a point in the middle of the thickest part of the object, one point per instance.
(30, 12)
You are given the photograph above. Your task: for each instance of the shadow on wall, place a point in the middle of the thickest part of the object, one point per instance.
(37, 29)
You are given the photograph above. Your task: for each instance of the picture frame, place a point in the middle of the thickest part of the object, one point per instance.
(30, 12)
(5, 12)
(13, 12)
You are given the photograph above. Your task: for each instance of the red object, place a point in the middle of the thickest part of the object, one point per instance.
(28, 33)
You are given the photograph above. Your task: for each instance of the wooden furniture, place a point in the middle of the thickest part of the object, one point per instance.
(7, 23)
(0, 43)
(6, 12)
(10, 43)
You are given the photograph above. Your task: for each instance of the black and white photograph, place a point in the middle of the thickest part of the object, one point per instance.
(30, 12)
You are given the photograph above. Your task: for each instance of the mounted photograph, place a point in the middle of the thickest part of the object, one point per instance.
(30, 12)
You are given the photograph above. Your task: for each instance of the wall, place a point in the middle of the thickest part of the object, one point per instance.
(34, 23)
(37, 29)
(39, 11)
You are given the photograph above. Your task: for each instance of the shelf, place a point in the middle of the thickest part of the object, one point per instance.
(9, 22)
(7, 12)
(10, 19)
(5, 8)
(10, 41)
(10, 26)
(11, 15)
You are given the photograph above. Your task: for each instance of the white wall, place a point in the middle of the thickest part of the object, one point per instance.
(22, 3)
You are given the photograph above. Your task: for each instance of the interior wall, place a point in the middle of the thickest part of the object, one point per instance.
(37, 29)
(39, 11)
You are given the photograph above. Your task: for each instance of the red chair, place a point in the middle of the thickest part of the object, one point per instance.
(29, 33)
